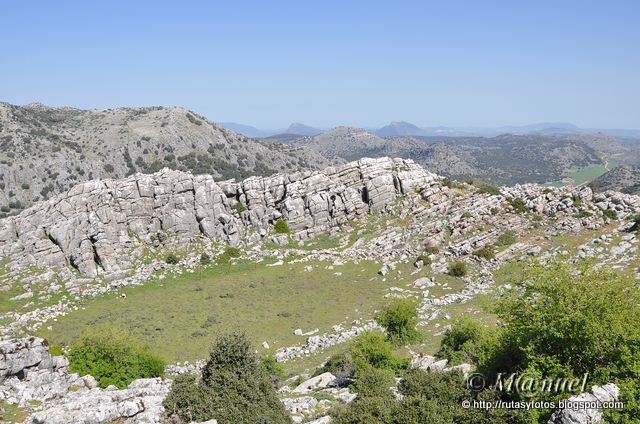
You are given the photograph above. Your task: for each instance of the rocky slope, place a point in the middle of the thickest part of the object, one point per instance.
(507, 159)
(623, 178)
(95, 226)
(46, 150)
(99, 227)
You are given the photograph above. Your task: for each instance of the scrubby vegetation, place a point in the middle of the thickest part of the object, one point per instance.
(458, 269)
(113, 358)
(281, 227)
(518, 205)
(171, 258)
(557, 322)
(506, 239)
(425, 260)
(486, 252)
(399, 321)
(234, 388)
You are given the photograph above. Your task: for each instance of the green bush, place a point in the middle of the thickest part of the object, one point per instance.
(426, 261)
(458, 269)
(239, 207)
(171, 258)
(436, 397)
(281, 227)
(583, 214)
(610, 214)
(431, 250)
(563, 323)
(467, 342)
(234, 388)
(486, 252)
(113, 357)
(274, 369)
(341, 365)
(518, 205)
(433, 398)
(228, 254)
(372, 349)
(205, 259)
(489, 189)
(506, 239)
(232, 252)
(399, 321)
(375, 402)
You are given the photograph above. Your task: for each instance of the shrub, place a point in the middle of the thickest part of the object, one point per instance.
(113, 357)
(108, 167)
(374, 404)
(565, 322)
(281, 227)
(518, 205)
(341, 365)
(489, 189)
(371, 349)
(25, 186)
(239, 207)
(486, 252)
(458, 269)
(426, 261)
(582, 214)
(506, 239)
(205, 259)
(229, 253)
(234, 388)
(610, 214)
(171, 258)
(431, 250)
(232, 252)
(467, 342)
(274, 369)
(436, 397)
(399, 321)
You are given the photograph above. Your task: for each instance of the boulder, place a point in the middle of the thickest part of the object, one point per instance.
(318, 382)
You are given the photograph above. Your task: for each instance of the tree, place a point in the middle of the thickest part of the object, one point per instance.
(399, 321)
(234, 388)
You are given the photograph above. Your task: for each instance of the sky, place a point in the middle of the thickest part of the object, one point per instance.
(328, 63)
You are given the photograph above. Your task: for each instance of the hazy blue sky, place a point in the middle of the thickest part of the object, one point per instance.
(267, 63)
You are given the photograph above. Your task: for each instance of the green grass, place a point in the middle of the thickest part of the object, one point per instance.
(583, 175)
(12, 413)
(180, 316)
(587, 173)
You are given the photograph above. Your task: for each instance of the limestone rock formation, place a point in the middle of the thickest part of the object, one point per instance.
(95, 226)
(599, 394)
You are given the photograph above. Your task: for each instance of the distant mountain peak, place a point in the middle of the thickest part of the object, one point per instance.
(398, 128)
(302, 129)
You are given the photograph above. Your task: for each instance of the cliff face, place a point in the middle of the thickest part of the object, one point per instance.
(95, 225)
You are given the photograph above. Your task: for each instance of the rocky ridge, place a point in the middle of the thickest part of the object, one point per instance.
(47, 150)
(95, 226)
